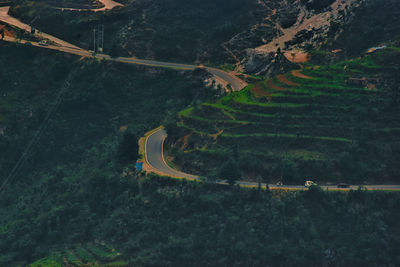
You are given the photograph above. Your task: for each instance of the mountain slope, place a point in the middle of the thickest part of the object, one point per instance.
(333, 123)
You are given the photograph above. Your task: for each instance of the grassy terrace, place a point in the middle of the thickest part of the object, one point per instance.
(315, 110)
(92, 254)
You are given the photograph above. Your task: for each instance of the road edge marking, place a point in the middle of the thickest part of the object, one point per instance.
(147, 135)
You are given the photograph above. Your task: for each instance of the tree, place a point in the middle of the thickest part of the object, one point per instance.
(19, 34)
(230, 171)
(127, 149)
(251, 163)
(289, 171)
(235, 152)
(114, 51)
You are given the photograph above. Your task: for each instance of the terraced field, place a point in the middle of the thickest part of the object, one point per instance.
(93, 254)
(320, 121)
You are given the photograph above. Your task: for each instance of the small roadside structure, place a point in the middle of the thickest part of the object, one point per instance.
(139, 165)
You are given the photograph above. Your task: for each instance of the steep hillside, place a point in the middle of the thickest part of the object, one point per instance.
(369, 25)
(219, 32)
(101, 101)
(331, 123)
(182, 31)
(106, 221)
(69, 126)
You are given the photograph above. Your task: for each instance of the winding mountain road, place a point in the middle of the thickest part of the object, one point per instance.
(235, 83)
(60, 45)
(155, 155)
(154, 152)
(6, 18)
(155, 158)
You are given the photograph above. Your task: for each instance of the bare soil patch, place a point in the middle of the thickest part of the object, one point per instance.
(297, 56)
(185, 141)
(282, 78)
(259, 91)
(270, 84)
(298, 74)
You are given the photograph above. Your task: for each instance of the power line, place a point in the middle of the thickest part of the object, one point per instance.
(25, 154)
(94, 40)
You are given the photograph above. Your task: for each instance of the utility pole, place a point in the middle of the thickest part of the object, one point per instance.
(94, 40)
(100, 38)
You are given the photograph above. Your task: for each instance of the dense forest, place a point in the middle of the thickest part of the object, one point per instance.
(77, 200)
(101, 101)
(165, 30)
(197, 31)
(69, 127)
(153, 222)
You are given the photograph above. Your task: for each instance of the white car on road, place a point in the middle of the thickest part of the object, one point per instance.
(309, 183)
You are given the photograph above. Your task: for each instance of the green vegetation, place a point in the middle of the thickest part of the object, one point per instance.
(323, 122)
(73, 191)
(227, 67)
(74, 27)
(82, 4)
(104, 100)
(158, 221)
(366, 28)
(92, 254)
(168, 30)
(128, 149)
(47, 262)
(83, 138)
(78, 201)
(230, 171)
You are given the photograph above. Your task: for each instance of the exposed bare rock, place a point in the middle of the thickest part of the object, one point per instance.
(266, 64)
(311, 27)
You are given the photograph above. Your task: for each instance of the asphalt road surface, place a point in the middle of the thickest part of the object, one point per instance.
(155, 142)
(155, 157)
(235, 83)
(19, 24)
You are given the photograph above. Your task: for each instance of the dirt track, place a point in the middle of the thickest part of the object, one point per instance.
(4, 17)
(304, 22)
(108, 5)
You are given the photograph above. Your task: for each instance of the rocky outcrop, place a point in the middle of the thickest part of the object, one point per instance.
(317, 5)
(312, 27)
(266, 64)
